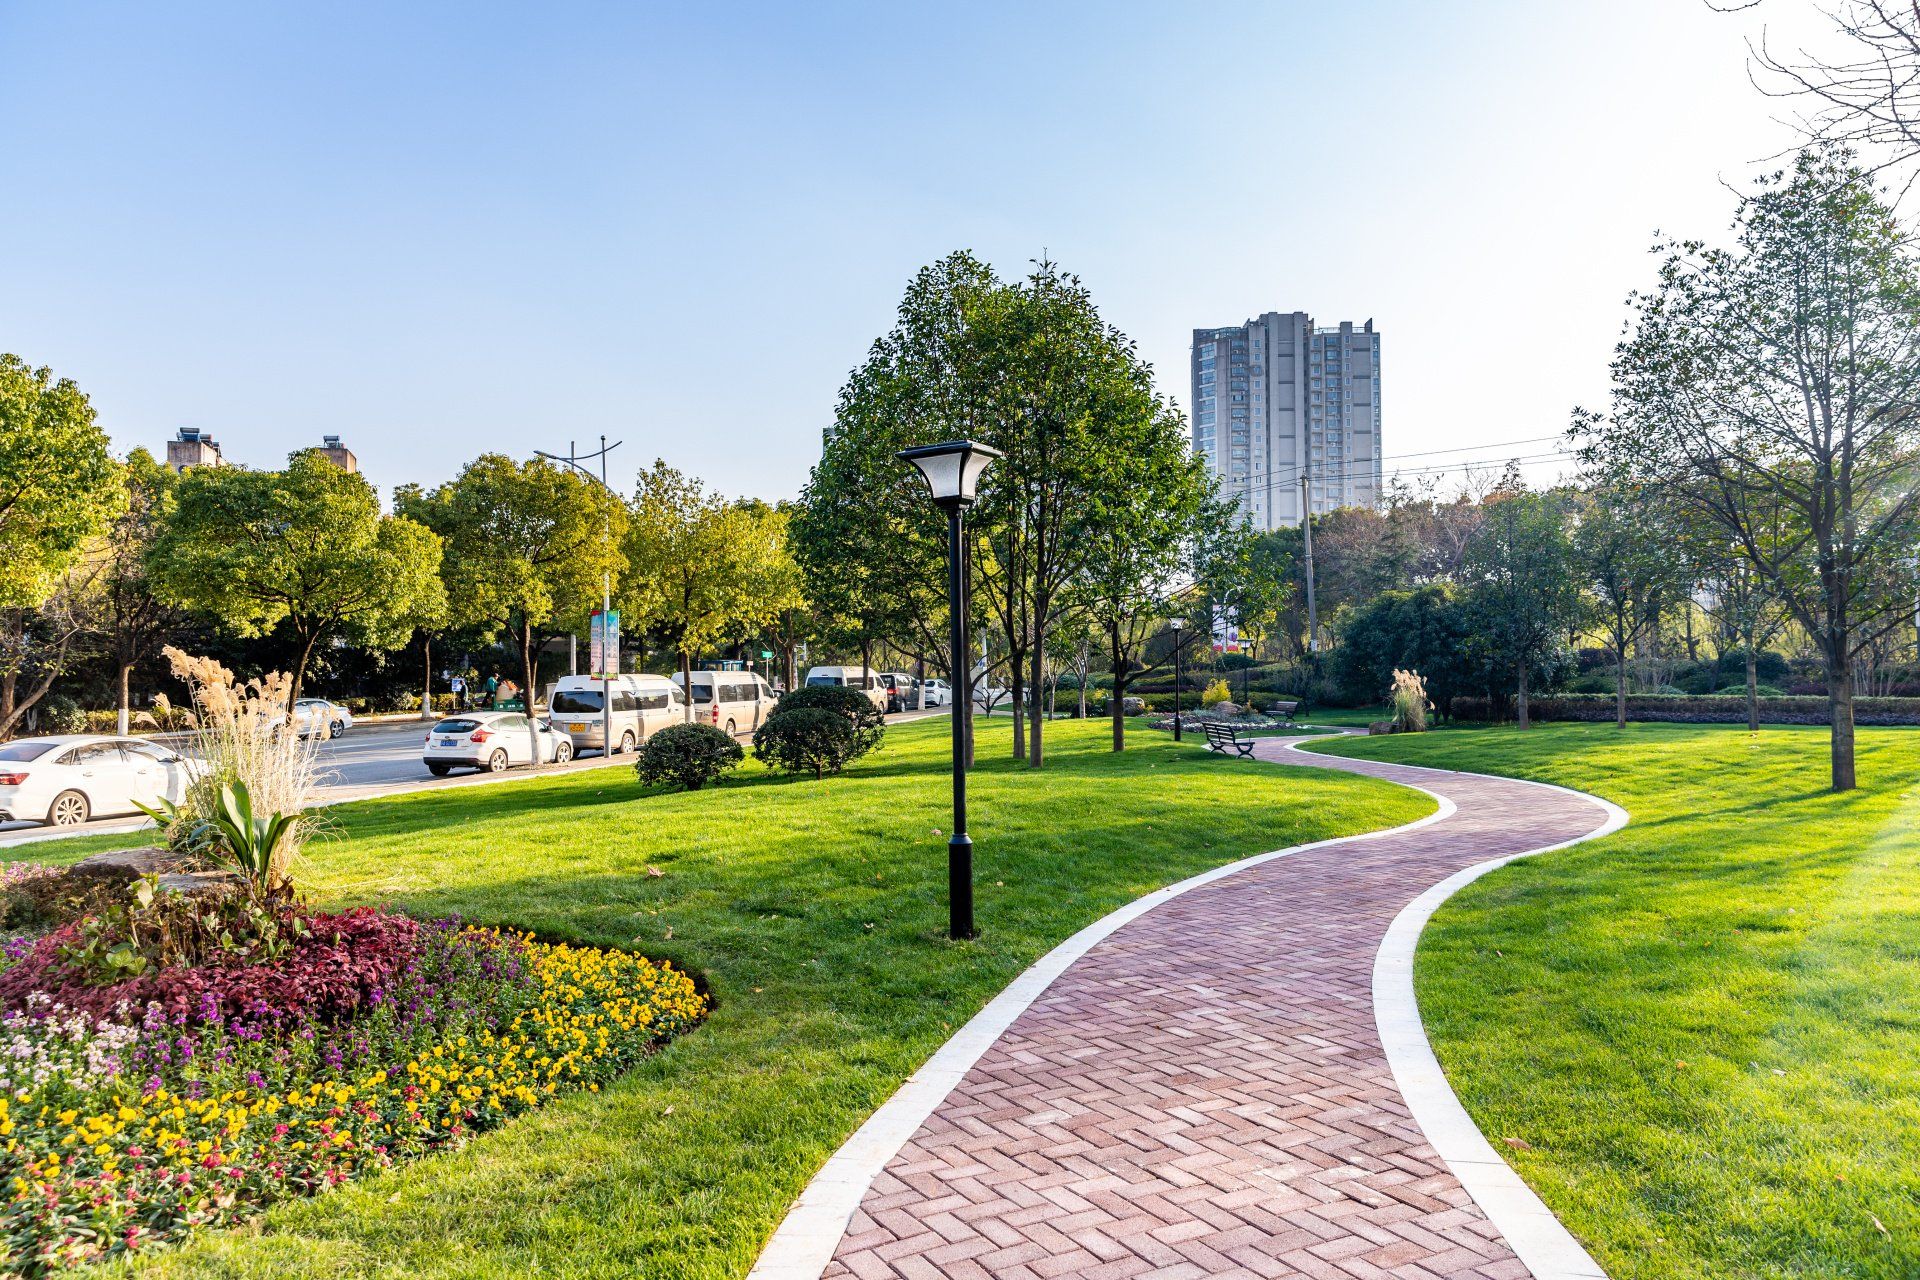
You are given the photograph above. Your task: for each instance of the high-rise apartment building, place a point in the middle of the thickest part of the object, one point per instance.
(1277, 399)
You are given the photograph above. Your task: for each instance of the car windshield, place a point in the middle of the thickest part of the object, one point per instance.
(456, 726)
(826, 680)
(26, 749)
(576, 702)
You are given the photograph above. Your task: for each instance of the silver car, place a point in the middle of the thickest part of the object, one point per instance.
(493, 741)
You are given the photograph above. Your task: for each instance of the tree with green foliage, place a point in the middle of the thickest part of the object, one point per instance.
(1629, 560)
(305, 548)
(59, 489)
(1524, 589)
(1773, 389)
(528, 546)
(134, 619)
(1426, 630)
(702, 569)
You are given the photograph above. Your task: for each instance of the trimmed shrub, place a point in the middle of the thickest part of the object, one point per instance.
(689, 754)
(869, 725)
(807, 740)
(1215, 692)
(1706, 709)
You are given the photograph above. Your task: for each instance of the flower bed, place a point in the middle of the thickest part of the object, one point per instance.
(187, 1098)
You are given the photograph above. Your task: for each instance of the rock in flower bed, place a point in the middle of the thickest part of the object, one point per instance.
(137, 1110)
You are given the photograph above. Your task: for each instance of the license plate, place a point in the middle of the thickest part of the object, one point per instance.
(576, 728)
(447, 742)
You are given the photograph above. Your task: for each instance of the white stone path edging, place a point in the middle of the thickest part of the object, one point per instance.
(804, 1243)
(1536, 1237)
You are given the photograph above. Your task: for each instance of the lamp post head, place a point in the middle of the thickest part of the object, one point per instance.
(1177, 623)
(952, 470)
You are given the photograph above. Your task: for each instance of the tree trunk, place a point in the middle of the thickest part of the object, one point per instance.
(529, 668)
(1016, 685)
(1036, 748)
(1753, 692)
(1520, 699)
(1117, 706)
(1620, 686)
(686, 680)
(1840, 703)
(126, 670)
(866, 656)
(426, 669)
(300, 673)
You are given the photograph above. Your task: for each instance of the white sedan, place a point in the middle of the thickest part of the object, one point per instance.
(66, 779)
(317, 715)
(491, 740)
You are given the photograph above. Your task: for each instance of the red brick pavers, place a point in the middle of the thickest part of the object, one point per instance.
(1204, 1092)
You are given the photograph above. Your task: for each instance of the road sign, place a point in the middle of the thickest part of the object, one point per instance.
(765, 654)
(603, 657)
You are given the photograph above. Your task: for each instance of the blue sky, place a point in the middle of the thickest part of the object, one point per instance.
(437, 230)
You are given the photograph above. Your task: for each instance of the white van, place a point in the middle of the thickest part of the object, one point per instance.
(736, 701)
(642, 706)
(852, 678)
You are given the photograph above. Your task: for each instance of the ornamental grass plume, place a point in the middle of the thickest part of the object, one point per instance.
(244, 733)
(1410, 705)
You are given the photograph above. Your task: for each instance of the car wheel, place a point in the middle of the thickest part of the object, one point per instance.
(497, 762)
(627, 742)
(69, 809)
(335, 729)
(733, 730)
(562, 752)
(438, 770)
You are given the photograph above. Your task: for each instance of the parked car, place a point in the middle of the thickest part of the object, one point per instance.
(65, 779)
(852, 678)
(736, 701)
(642, 706)
(939, 692)
(899, 686)
(491, 740)
(317, 715)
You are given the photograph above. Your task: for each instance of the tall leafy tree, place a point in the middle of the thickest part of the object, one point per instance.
(1773, 389)
(1523, 583)
(305, 548)
(1627, 557)
(59, 488)
(703, 570)
(528, 547)
(1426, 629)
(134, 618)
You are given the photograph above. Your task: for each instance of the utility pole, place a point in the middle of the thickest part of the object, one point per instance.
(1306, 531)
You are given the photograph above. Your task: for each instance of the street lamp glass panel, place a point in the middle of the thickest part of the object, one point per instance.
(1177, 623)
(952, 470)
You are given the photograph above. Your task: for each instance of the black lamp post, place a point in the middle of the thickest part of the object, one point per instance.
(1177, 624)
(952, 472)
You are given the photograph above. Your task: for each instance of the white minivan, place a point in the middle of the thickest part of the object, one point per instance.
(868, 682)
(736, 701)
(642, 706)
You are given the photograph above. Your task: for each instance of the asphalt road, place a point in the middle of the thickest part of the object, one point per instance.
(381, 758)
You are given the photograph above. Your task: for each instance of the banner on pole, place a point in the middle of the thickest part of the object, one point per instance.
(603, 657)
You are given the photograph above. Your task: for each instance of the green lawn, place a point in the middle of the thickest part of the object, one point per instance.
(817, 912)
(1707, 1027)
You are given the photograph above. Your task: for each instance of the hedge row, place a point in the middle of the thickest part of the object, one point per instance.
(1705, 709)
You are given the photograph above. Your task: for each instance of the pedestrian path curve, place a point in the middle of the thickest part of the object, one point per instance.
(1226, 1079)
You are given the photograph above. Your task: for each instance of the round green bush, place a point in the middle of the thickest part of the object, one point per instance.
(808, 739)
(869, 725)
(689, 754)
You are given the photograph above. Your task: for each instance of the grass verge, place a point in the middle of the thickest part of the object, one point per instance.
(816, 911)
(1704, 1027)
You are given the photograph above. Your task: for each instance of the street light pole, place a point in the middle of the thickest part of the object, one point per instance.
(1177, 624)
(573, 459)
(952, 471)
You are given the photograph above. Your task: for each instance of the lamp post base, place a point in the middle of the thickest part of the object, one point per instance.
(960, 888)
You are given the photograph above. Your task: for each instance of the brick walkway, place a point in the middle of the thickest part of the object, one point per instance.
(1204, 1092)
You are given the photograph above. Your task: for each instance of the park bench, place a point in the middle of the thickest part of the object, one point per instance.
(1288, 712)
(1222, 736)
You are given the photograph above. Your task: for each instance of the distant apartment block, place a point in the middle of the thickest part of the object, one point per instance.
(339, 455)
(1278, 398)
(193, 448)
